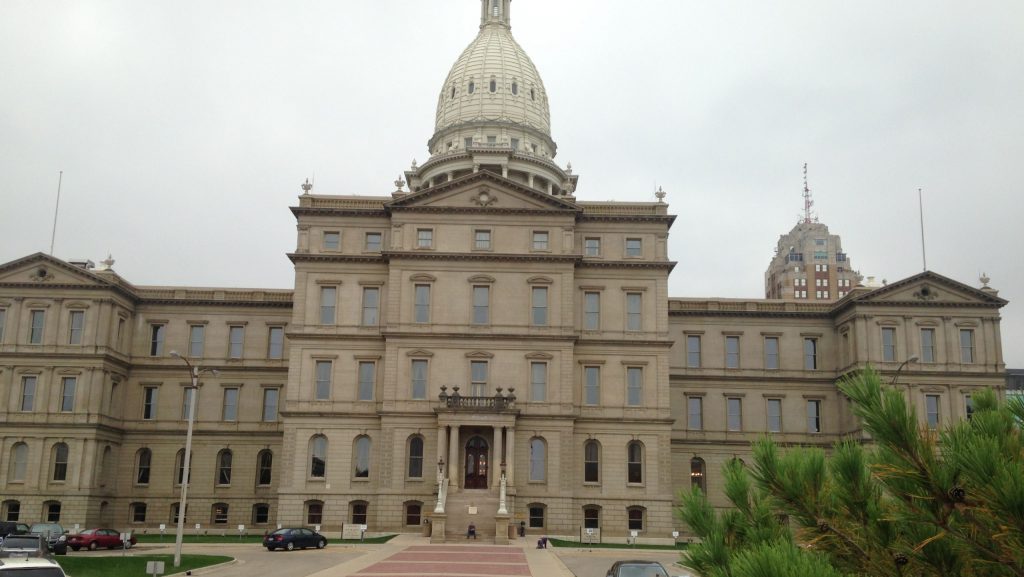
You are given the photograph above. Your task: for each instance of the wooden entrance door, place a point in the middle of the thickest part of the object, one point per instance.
(476, 464)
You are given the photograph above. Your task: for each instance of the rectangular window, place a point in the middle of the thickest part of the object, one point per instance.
(695, 413)
(774, 415)
(230, 409)
(693, 351)
(367, 380)
(735, 414)
(888, 344)
(732, 352)
(634, 247)
(540, 240)
(482, 240)
(419, 379)
(811, 354)
(813, 416)
(591, 311)
(966, 346)
(481, 305)
(332, 240)
(539, 302)
(28, 393)
(3, 323)
(634, 307)
(275, 348)
(371, 306)
(35, 332)
(373, 242)
(139, 513)
(53, 513)
(149, 397)
(236, 337)
(536, 517)
(422, 312)
(771, 353)
(328, 305)
(538, 382)
(425, 238)
(468, 142)
(270, 401)
(478, 378)
(67, 396)
(592, 247)
(323, 380)
(592, 385)
(196, 341)
(932, 410)
(156, 340)
(77, 322)
(515, 143)
(927, 345)
(186, 402)
(634, 386)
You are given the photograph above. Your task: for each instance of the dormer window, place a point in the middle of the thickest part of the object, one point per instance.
(494, 86)
(515, 89)
(472, 87)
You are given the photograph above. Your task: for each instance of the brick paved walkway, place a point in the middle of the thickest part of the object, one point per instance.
(451, 561)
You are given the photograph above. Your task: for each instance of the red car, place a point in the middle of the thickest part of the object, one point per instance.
(95, 538)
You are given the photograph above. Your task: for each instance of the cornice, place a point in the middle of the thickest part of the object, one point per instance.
(584, 217)
(628, 264)
(479, 256)
(297, 257)
(314, 211)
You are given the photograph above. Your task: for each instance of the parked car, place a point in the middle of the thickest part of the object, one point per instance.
(24, 546)
(30, 567)
(636, 568)
(93, 539)
(55, 536)
(294, 538)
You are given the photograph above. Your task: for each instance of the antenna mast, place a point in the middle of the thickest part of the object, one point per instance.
(53, 236)
(920, 206)
(808, 202)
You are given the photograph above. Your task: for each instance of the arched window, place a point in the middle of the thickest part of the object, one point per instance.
(318, 457)
(105, 468)
(137, 512)
(51, 512)
(361, 464)
(698, 479)
(11, 510)
(175, 509)
(591, 516)
(180, 466)
(19, 463)
(260, 514)
(635, 462)
(538, 459)
(413, 513)
(219, 514)
(635, 515)
(591, 462)
(415, 457)
(60, 462)
(224, 467)
(494, 85)
(537, 514)
(472, 87)
(358, 512)
(264, 467)
(515, 88)
(143, 462)
(314, 512)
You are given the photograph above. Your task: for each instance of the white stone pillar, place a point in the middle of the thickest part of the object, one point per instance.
(496, 458)
(442, 442)
(454, 464)
(510, 460)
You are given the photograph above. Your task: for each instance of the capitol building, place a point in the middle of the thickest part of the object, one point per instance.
(477, 346)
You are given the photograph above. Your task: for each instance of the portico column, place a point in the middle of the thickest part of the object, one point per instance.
(497, 458)
(453, 457)
(510, 459)
(442, 441)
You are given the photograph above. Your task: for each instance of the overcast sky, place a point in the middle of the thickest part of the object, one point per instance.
(184, 128)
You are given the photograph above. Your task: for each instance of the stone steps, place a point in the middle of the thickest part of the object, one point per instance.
(458, 507)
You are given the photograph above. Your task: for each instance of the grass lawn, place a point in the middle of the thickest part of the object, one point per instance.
(578, 545)
(168, 539)
(132, 566)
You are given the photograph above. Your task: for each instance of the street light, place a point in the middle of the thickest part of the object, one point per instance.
(912, 359)
(193, 373)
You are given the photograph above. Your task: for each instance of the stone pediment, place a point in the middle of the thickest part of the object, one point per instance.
(482, 191)
(43, 270)
(930, 288)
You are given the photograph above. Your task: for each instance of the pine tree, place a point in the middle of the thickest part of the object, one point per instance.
(913, 502)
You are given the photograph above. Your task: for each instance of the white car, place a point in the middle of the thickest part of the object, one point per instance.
(30, 567)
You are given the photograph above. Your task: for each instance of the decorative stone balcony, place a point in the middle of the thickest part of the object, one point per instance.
(455, 401)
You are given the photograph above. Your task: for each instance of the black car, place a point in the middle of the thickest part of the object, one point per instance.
(55, 535)
(24, 546)
(636, 568)
(295, 538)
(11, 528)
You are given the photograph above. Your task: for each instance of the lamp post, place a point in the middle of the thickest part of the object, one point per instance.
(911, 359)
(193, 373)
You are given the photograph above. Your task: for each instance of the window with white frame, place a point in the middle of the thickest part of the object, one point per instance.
(539, 306)
(373, 242)
(695, 413)
(538, 460)
(540, 240)
(36, 325)
(264, 467)
(28, 392)
(591, 462)
(591, 311)
(361, 458)
(592, 246)
(323, 380)
(275, 343)
(149, 398)
(419, 379)
(634, 248)
(482, 239)
(328, 305)
(318, 457)
(889, 344)
(76, 327)
(928, 345)
(367, 380)
(734, 420)
(67, 394)
(771, 353)
(774, 415)
(634, 386)
(591, 385)
(810, 354)
(538, 382)
(732, 352)
(693, 351)
(634, 311)
(229, 410)
(421, 314)
(332, 240)
(425, 238)
(478, 378)
(813, 416)
(635, 462)
(236, 341)
(931, 403)
(196, 341)
(371, 306)
(271, 398)
(481, 305)
(157, 332)
(966, 345)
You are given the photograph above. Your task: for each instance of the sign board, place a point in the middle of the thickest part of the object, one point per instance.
(472, 510)
(316, 528)
(163, 527)
(241, 528)
(351, 532)
(278, 525)
(590, 531)
(362, 528)
(675, 534)
(77, 527)
(125, 537)
(154, 567)
(634, 533)
(199, 526)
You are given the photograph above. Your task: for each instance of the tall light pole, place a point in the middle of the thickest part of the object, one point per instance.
(911, 359)
(193, 373)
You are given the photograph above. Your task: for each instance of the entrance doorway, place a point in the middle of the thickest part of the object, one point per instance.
(476, 464)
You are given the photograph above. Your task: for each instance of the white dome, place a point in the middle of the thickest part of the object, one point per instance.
(494, 80)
